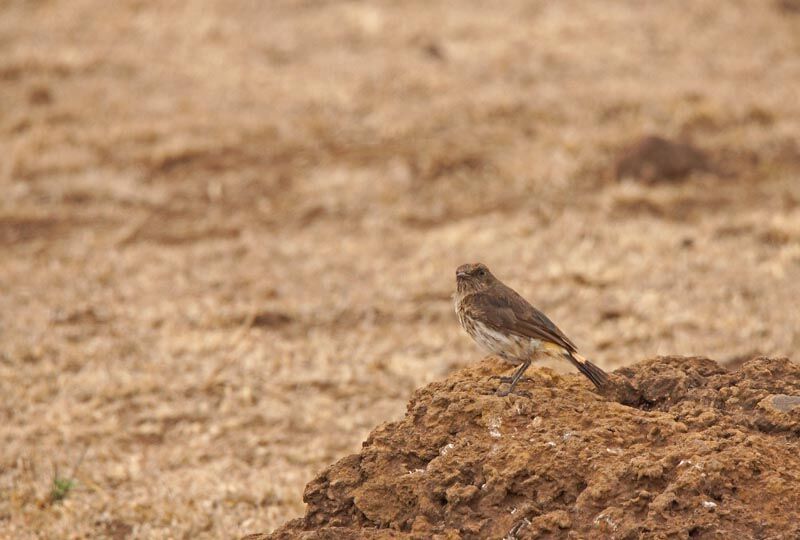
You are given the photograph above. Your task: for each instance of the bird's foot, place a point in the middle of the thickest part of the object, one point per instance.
(503, 392)
(507, 380)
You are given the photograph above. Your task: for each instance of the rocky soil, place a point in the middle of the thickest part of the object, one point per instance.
(697, 451)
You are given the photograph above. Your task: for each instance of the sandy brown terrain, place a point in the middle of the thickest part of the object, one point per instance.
(696, 451)
(229, 229)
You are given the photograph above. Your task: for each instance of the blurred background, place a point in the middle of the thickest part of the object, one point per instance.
(229, 229)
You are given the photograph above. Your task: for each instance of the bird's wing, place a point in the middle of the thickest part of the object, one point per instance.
(509, 312)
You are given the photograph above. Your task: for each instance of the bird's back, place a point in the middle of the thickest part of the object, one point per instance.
(506, 308)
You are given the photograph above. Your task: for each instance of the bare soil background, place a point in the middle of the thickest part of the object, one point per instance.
(228, 230)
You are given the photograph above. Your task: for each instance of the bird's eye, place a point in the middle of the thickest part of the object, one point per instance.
(481, 272)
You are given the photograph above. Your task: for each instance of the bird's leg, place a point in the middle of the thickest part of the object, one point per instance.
(518, 374)
(503, 379)
(514, 378)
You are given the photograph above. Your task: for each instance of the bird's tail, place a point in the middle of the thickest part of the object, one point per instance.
(589, 370)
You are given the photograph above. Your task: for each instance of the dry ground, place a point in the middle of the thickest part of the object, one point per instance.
(229, 229)
(698, 452)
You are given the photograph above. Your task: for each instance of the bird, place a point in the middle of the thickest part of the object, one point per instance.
(505, 324)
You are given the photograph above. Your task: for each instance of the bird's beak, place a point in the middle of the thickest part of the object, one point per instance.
(461, 274)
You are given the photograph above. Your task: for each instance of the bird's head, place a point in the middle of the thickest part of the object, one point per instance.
(473, 278)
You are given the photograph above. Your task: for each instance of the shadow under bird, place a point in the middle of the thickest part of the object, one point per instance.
(505, 324)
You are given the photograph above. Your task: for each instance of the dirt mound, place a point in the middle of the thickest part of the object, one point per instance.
(705, 453)
(653, 159)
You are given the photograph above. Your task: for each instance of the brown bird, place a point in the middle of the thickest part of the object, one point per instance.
(505, 324)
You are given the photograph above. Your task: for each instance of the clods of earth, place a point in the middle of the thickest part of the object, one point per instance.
(677, 447)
